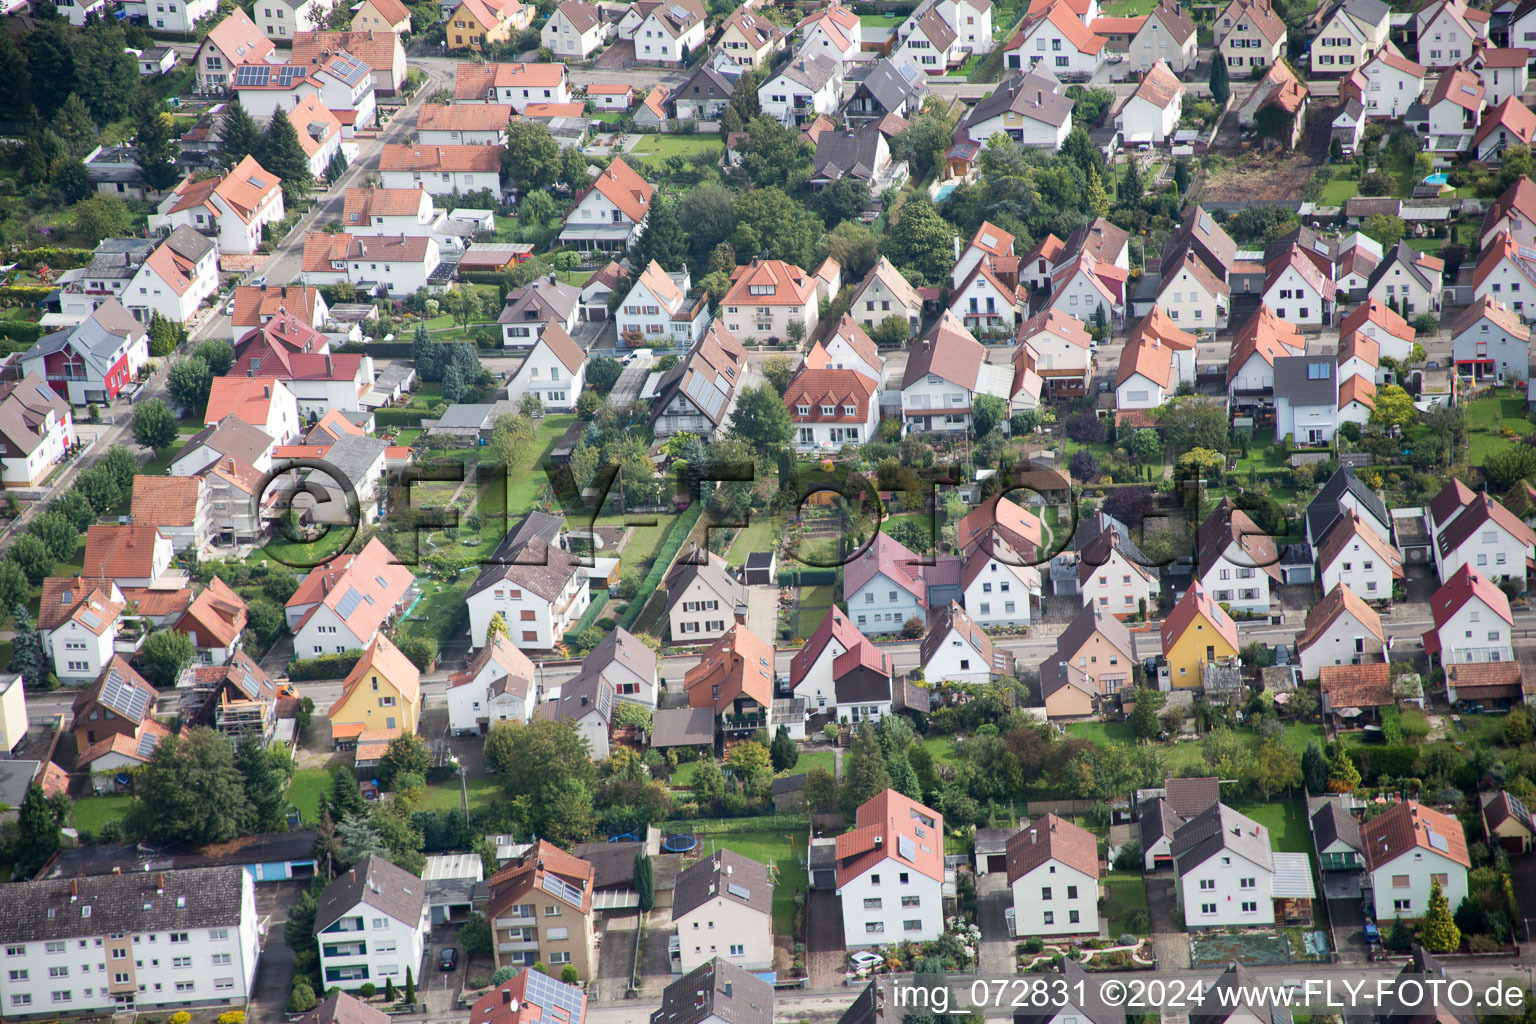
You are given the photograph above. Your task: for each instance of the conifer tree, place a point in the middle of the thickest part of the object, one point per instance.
(1221, 87)
(238, 135)
(282, 155)
(1438, 931)
(27, 652)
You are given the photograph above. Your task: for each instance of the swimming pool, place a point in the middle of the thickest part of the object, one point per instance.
(1437, 179)
(944, 192)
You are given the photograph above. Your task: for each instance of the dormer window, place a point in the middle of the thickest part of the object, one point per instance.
(803, 410)
(826, 410)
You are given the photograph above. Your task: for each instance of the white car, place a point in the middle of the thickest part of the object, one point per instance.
(865, 960)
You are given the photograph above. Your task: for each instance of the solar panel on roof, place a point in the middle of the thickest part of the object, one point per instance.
(147, 744)
(91, 619)
(739, 891)
(348, 604)
(547, 993)
(128, 701)
(1436, 840)
(557, 886)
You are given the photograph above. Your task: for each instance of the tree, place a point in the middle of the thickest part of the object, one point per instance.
(496, 627)
(1274, 122)
(405, 755)
(1386, 229)
(923, 142)
(891, 332)
(107, 76)
(1437, 931)
(575, 171)
(783, 751)
(988, 412)
(1131, 190)
(1194, 423)
(603, 373)
(921, 243)
(854, 246)
(190, 791)
(281, 154)
(34, 558)
(265, 784)
(164, 336)
(156, 144)
(771, 225)
(1314, 769)
(706, 214)
(645, 880)
(410, 983)
(663, 240)
(189, 381)
(1508, 466)
(1083, 467)
(1144, 722)
(27, 651)
(1343, 776)
(102, 217)
(510, 438)
(531, 158)
(164, 655)
(1146, 446)
(37, 833)
(1221, 86)
(777, 371)
(238, 135)
(335, 167)
(1181, 176)
(217, 353)
(56, 532)
(761, 419)
(70, 179)
(154, 425)
(1275, 766)
(844, 200)
(1394, 407)
(14, 587)
(301, 999)
(1098, 199)
(864, 772)
(708, 782)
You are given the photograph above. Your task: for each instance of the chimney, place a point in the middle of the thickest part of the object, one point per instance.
(1033, 837)
(231, 463)
(879, 841)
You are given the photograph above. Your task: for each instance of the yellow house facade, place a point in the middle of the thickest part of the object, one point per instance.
(1198, 630)
(381, 697)
(382, 16)
(475, 24)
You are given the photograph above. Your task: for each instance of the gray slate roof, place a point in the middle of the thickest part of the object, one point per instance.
(189, 244)
(1297, 380)
(354, 455)
(375, 883)
(891, 84)
(1328, 505)
(728, 874)
(57, 908)
(1221, 828)
(813, 71)
(716, 989)
(1034, 95)
(846, 154)
(682, 727)
(1332, 823)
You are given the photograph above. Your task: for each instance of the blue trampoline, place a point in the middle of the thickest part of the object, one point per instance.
(679, 843)
(624, 837)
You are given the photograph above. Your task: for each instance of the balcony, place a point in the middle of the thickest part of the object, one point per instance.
(752, 721)
(518, 947)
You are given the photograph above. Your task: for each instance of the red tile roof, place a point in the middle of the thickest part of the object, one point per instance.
(1052, 838)
(166, 500)
(1408, 826)
(840, 389)
(1196, 603)
(114, 551)
(738, 664)
(890, 826)
(1357, 686)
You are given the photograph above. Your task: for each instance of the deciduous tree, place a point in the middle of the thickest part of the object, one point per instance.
(190, 791)
(154, 425)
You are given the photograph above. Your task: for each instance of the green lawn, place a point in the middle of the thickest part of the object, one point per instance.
(92, 812)
(966, 69)
(483, 791)
(774, 849)
(1489, 418)
(663, 146)
(814, 759)
(305, 556)
(881, 20)
(941, 747)
(1340, 190)
(1128, 8)
(762, 533)
(308, 788)
(1125, 894)
(1286, 821)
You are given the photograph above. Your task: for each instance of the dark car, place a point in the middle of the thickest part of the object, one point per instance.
(447, 959)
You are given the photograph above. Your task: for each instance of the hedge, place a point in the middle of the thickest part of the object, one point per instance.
(682, 526)
(26, 292)
(56, 256)
(20, 330)
(389, 349)
(398, 417)
(327, 666)
(599, 602)
(806, 577)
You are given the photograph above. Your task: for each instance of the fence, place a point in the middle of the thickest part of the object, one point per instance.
(599, 602)
(681, 527)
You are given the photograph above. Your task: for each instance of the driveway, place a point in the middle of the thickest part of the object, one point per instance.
(763, 609)
(825, 955)
(1346, 917)
(655, 963)
(1169, 942)
(993, 898)
(274, 971)
(616, 956)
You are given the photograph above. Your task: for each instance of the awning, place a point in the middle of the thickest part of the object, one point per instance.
(1293, 877)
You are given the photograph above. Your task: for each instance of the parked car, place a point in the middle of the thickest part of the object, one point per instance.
(448, 959)
(865, 960)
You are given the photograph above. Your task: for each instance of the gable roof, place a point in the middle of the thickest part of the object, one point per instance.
(362, 589)
(788, 285)
(716, 990)
(1047, 838)
(884, 555)
(1502, 807)
(727, 875)
(113, 551)
(946, 350)
(1483, 511)
(376, 49)
(383, 658)
(1031, 95)
(1149, 358)
(1218, 828)
(1260, 14)
(238, 38)
(548, 869)
(1409, 825)
(218, 611)
(707, 375)
(890, 826)
(1337, 603)
(1266, 336)
(953, 618)
(1196, 603)
(374, 883)
(1211, 243)
(1328, 505)
(166, 500)
(1160, 87)
(1460, 87)
(625, 189)
(1496, 312)
(1374, 311)
(1466, 584)
(740, 664)
(1512, 116)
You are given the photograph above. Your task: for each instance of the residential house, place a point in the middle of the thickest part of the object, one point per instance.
(1053, 872)
(1091, 287)
(1472, 621)
(455, 124)
(1506, 820)
(544, 876)
(717, 992)
(895, 852)
(1151, 113)
(1249, 34)
(1306, 399)
(1192, 295)
(255, 306)
(766, 296)
(892, 88)
(929, 41)
(1408, 848)
(1055, 41)
(232, 208)
(380, 698)
(575, 30)
(1115, 578)
(112, 266)
(37, 430)
(593, 298)
(946, 368)
(533, 582)
(1455, 109)
(986, 301)
(880, 592)
(93, 361)
(383, 52)
(609, 216)
(1389, 83)
(703, 600)
(175, 279)
(699, 392)
(833, 32)
(1094, 658)
(990, 241)
(287, 350)
(862, 154)
(1352, 554)
(955, 648)
(1448, 31)
(341, 605)
(1341, 629)
(1236, 561)
(999, 586)
(177, 506)
(1478, 531)
(703, 95)
(627, 664)
(808, 85)
(587, 703)
(1282, 90)
(389, 906)
(1358, 257)
(1514, 214)
(841, 674)
(734, 677)
(215, 621)
(231, 438)
(1224, 870)
(1299, 292)
(1197, 632)
(498, 685)
(78, 621)
(205, 916)
(884, 293)
(1504, 273)
(723, 900)
(118, 703)
(1146, 377)
(1489, 341)
(1336, 836)
(267, 404)
(750, 39)
(1031, 109)
(657, 309)
(554, 372)
(1346, 494)
(542, 304)
(279, 20)
(516, 85)
(441, 170)
(1503, 72)
(1509, 123)
(234, 41)
(831, 408)
(379, 265)
(1060, 347)
(479, 24)
(131, 556)
(1351, 32)
(382, 16)
(1382, 326)
(1167, 34)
